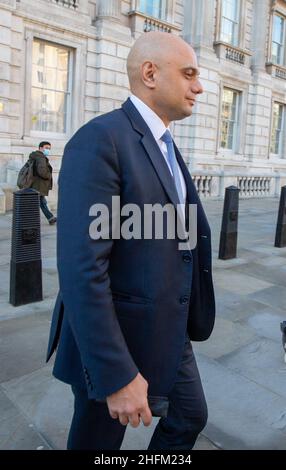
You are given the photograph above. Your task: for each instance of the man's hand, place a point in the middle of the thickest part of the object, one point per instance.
(129, 404)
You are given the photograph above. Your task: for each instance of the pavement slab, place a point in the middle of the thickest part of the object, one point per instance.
(238, 283)
(274, 296)
(16, 431)
(46, 402)
(267, 323)
(262, 362)
(23, 344)
(243, 415)
(226, 337)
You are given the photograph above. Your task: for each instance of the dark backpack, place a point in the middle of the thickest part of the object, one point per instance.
(26, 175)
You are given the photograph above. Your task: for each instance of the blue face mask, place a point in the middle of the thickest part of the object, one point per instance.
(46, 152)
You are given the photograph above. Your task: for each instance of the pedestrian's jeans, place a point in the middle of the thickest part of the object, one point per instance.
(92, 427)
(44, 206)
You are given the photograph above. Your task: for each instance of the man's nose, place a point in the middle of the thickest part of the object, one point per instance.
(197, 87)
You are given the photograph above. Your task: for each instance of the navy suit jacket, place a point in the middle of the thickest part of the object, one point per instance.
(124, 305)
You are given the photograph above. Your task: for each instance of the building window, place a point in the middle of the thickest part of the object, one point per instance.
(278, 40)
(156, 8)
(230, 21)
(229, 119)
(277, 128)
(51, 87)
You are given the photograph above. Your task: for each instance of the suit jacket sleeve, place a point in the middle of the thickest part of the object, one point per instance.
(90, 174)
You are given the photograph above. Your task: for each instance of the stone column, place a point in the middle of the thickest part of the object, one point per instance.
(109, 8)
(259, 34)
(108, 21)
(199, 22)
(258, 114)
(198, 134)
(107, 53)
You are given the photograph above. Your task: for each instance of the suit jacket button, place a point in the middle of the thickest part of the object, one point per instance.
(184, 299)
(187, 258)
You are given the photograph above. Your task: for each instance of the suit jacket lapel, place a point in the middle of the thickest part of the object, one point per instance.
(152, 150)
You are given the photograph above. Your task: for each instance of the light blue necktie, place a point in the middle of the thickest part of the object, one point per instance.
(167, 138)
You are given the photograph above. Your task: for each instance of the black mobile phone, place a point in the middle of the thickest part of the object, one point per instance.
(158, 405)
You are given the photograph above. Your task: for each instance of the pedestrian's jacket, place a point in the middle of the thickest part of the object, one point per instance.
(124, 305)
(43, 180)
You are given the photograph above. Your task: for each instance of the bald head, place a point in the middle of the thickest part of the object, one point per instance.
(156, 47)
(163, 72)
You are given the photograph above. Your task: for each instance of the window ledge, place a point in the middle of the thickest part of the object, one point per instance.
(232, 53)
(229, 154)
(52, 135)
(140, 22)
(275, 70)
(275, 157)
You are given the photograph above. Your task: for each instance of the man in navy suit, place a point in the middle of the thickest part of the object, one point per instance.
(128, 306)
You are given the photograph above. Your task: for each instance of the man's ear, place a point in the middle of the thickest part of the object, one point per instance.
(149, 74)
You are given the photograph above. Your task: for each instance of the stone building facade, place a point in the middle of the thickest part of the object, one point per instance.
(62, 62)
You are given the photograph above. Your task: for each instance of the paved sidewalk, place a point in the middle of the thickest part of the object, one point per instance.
(242, 366)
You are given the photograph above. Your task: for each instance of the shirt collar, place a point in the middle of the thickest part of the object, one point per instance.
(155, 124)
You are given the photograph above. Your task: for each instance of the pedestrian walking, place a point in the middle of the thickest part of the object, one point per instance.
(42, 177)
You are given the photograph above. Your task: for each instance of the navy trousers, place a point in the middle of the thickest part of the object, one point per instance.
(92, 427)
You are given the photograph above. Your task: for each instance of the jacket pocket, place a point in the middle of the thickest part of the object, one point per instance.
(129, 298)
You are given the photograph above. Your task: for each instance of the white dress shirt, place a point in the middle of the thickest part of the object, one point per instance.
(158, 128)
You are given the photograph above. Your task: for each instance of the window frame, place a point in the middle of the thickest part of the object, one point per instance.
(281, 143)
(283, 64)
(235, 149)
(241, 25)
(236, 22)
(162, 4)
(75, 112)
(170, 8)
(69, 92)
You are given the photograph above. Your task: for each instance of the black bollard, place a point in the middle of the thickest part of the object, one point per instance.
(228, 234)
(26, 263)
(280, 237)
